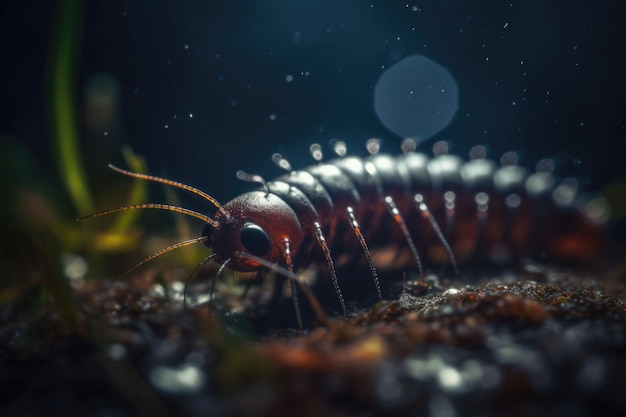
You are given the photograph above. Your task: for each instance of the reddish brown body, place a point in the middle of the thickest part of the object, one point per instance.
(397, 212)
(486, 213)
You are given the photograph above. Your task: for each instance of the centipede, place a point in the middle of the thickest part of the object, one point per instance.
(409, 210)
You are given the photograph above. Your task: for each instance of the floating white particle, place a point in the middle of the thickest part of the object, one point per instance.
(272, 117)
(183, 379)
(116, 351)
(449, 378)
(450, 291)
(289, 78)
(74, 267)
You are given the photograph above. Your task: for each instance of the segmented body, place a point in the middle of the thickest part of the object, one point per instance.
(396, 212)
(487, 213)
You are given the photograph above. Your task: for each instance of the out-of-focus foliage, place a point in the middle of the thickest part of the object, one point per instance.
(32, 236)
(62, 105)
(37, 217)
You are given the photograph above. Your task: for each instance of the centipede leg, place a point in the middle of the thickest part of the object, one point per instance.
(321, 240)
(397, 216)
(426, 214)
(292, 283)
(482, 212)
(357, 231)
(217, 276)
(204, 261)
(319, 311)
(449, 198)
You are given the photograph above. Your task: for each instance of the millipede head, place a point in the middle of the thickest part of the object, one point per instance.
(258, 225)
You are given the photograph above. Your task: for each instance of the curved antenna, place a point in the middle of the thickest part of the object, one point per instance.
(316, 152)
(244, 176)
(173, 184)
(373, 146)
(204, 261)
(281, 162)
(340, 148)
(167, 207)
(408, 145)
(163, 251)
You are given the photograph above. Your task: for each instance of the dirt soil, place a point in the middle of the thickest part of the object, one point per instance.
(545, 342)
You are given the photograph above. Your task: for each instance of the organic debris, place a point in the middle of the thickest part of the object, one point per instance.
(506, 345)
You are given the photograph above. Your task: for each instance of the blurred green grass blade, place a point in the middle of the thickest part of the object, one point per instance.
(62, 101)
(138, 192)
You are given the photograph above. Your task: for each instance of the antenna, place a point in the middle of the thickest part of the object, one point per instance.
(167, 207)
(173, 184)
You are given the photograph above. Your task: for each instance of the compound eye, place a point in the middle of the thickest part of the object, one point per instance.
(255, 240)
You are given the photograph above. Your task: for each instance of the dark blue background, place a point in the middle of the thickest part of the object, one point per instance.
(560, 61)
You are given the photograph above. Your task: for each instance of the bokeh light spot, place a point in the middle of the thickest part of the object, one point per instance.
(416, 98)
